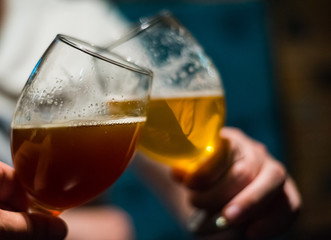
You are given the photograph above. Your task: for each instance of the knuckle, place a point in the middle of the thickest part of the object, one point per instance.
(237, 132)
(9, 226)
(262, 148)
(243, 173)
(279, 171)
(233, 131)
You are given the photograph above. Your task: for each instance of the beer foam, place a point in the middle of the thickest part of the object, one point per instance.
(78, 123)
(189, 94)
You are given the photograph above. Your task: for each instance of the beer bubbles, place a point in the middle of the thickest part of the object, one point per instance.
(73, 133)
(187, 108)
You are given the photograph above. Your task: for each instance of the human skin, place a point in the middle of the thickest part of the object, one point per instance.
(242, 183)
(83, 223)
(248, 187)
(15, 222)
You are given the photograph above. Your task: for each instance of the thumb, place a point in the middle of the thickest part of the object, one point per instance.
(16, 226)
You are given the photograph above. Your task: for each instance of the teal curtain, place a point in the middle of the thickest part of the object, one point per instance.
(235, 36)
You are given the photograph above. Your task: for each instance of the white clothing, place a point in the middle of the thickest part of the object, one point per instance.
(30, 26)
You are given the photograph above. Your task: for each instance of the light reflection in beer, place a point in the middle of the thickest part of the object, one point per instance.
(183, 131)
(210, 149)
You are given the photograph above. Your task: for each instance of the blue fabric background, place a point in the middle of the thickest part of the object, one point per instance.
(235, 36)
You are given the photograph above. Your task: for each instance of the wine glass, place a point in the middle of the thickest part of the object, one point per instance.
(75, 127)
(187, 107)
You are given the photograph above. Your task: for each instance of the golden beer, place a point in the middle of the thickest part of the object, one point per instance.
(63, 166)
(182, 131)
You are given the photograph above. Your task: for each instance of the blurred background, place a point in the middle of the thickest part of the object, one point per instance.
(275, 60)
(300, 34)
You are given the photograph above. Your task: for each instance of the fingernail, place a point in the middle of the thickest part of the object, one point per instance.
(231, 213)
(221, 222)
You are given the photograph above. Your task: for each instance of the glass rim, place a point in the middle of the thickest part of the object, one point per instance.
(83, 46)
(144, 24)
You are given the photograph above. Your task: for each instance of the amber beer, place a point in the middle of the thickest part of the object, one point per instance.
(184, 130)
(65, 166)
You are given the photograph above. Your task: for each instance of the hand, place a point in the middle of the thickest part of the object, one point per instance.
(245, 185)
(15, 223)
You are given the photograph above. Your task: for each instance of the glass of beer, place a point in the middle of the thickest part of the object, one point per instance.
(187, 107)
(75, 127)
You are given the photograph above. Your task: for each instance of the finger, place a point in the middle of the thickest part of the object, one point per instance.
(12, 195)
(280, 215)
(16, 226)
(207, 226)
(236, 179)
(248, 159)
(227, 151)
(238, 153)
(257, 194)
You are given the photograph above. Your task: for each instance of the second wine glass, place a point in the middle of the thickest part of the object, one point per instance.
(75, 127)
(187, 108)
